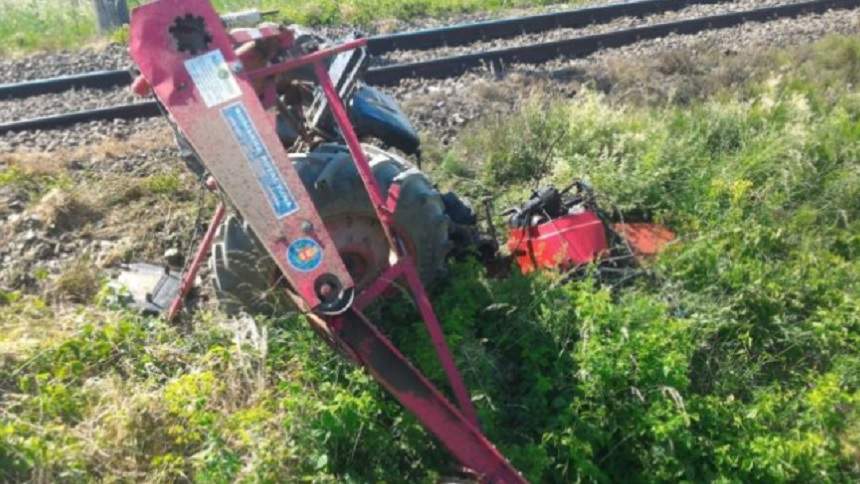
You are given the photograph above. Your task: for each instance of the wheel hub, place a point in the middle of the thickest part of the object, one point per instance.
(362, 246)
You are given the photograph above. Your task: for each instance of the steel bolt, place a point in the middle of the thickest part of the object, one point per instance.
(307, 227)
(326, 290)
(211, 184)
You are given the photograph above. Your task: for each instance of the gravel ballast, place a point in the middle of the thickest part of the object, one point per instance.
(77, 136)
(64, 102)
(694, 11)
(116, 57)
(442, 107)
(46, 65)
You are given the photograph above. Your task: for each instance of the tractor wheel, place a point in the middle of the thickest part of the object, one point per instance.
(246, 279)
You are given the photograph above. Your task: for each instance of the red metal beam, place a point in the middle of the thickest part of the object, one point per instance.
(391, 369)
(384, 213)
(191, 273)
(304, 60)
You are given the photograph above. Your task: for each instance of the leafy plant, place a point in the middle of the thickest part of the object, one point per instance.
(738, 362)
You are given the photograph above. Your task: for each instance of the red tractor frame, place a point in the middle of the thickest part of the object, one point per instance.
(219, 104)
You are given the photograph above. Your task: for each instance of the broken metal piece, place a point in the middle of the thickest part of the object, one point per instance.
(151, 288)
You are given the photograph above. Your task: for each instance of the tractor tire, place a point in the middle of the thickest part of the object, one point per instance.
(246, 279)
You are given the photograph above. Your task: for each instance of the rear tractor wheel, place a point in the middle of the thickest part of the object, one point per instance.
(246, 279)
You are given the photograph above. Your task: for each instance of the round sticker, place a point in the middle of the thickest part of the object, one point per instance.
(304, 255)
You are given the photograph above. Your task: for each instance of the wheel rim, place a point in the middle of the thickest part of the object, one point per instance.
(362, 245)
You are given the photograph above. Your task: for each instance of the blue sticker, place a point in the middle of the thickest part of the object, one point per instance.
(258, 156)
(305, 255)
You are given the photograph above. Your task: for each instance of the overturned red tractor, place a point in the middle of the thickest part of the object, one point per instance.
(231, 97)
(334, 223)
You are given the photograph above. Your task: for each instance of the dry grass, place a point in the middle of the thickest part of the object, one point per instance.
(139, 419)
(29, 164)
(127, 214)
(28, 321)
(125, 424)
(66, 211)
(148, 139)
(679, 75)
(78, 283)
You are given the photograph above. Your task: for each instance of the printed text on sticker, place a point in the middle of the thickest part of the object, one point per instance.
(282, 201)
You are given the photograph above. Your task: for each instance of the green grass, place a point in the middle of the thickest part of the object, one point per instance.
(164, 184)
(44, 25)
(30, 25)
(738, 362)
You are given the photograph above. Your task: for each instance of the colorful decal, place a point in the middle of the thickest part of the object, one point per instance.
(304, 255)
(257, 154)
(213, 78)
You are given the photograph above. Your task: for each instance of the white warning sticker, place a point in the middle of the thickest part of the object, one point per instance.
(213, 78)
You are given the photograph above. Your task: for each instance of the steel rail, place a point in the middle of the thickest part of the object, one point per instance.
(497, 59)
(468, 33)
(90, 80)
(149, 109)
(417, 40)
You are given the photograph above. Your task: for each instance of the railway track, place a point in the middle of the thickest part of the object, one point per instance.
(452, 66)
(424, 39)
